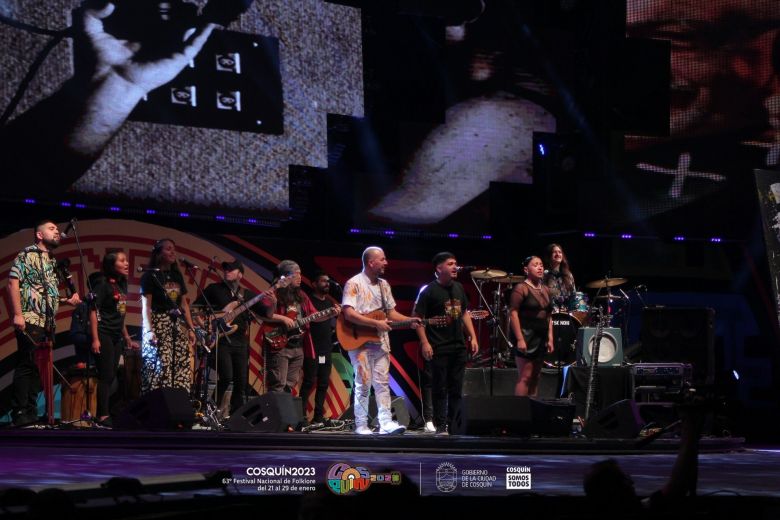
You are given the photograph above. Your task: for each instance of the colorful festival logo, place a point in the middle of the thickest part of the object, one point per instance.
(343, 478)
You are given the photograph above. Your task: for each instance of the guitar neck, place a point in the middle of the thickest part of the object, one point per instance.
(313, 317)
(230, 316)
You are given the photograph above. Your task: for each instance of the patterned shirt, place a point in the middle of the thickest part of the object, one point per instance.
(365, 297)
(38, 284)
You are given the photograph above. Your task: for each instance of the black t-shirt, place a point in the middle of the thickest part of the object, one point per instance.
(322, 332)
(165, 287)
(437, 300)
(218, 295)
(111, 304)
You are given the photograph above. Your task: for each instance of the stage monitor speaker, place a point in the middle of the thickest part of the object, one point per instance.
(476, 381)
(511, 415)
(160, 409)
(274, 412)
(620, 420)
(610, 347)
(397, 407)
(680, 335)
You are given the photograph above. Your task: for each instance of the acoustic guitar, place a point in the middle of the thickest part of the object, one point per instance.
(352, 336)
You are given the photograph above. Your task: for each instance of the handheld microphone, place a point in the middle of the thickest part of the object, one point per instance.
(68, 228)
(142, 269)
(466, 268)
(188, 264)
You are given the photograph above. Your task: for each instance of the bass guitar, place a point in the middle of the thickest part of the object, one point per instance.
(352, 336)
(223, 320)
(277, 335)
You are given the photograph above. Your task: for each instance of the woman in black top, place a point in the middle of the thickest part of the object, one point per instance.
(169, 337)
(107, 323)
(529, 318)
(559, 278)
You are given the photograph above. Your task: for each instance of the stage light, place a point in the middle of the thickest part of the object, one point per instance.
(354, 230)
(29, 201)
(184, 215)
(114, 208)
(735, 374)
(150, 212)
(589, 234)
(487, 237)
(389, 232)
(542, 151)
(626, 236)
(717, 240)
(65, 204)
(220, 217)
(453, 235)
(81, 206)
(252, 220)
(679, 238)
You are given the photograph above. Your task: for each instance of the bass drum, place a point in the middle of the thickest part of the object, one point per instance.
(565, 327)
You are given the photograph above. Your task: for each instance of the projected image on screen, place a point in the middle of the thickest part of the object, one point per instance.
(725, 99)
(147, 103)
(496, 100)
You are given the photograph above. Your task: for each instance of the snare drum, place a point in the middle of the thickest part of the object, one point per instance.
(565, 326)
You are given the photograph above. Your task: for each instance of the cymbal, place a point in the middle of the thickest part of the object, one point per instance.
(610, 297)
(512, 278)
(608, 282)
(487, 274)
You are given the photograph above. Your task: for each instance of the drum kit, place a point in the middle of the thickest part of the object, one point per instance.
(567, 318)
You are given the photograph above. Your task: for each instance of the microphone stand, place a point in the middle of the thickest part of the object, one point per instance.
(89, 298)
(496, 326)
(208, 408)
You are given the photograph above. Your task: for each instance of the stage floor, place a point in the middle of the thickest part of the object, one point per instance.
(37, 459)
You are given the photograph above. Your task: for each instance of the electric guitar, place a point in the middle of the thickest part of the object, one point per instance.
(277, 335)
(223, 322)
(352, 336)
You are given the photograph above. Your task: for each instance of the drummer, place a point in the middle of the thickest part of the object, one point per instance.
(559, 279)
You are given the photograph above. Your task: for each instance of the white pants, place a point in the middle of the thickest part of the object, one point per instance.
(372, 368)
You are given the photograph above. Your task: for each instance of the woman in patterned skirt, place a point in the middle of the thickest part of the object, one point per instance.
(168, 338)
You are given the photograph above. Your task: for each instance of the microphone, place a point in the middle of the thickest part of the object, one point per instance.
(68, 229)
(186, 263)
(640, 288)
(142, 269)
(331, 281)
(466, 268)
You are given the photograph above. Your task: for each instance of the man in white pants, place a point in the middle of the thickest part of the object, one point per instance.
(364, 293)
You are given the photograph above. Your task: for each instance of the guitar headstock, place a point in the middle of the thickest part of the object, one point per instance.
(282, 282)
(479, 314)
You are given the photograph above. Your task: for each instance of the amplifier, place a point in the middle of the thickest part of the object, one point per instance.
(661, 378)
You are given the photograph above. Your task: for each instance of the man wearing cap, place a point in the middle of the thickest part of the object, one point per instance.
(233, 350)
(445, 347)
(365, 293)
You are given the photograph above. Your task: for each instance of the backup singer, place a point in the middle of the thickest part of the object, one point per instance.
(233, 350)
(33, 289)
(168, 337)
(529, 319)
(558, 277)
(364, 293)
(445, 347)
(107, 324)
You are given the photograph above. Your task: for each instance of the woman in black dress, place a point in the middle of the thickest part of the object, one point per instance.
(529, 318)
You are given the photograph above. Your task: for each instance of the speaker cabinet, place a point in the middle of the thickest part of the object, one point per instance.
(620, 420)
(160, 409)
(274, 412)
(511, 415)
(476, 381)
(610, 346)
(683, 335)
(397, 407)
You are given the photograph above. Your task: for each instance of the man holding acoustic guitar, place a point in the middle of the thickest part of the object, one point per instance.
(368, 315)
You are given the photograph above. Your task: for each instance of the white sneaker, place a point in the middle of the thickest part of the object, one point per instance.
(363, 430)
(392, 428)
(429, 427)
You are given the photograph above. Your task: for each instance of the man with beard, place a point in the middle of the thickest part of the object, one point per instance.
(33, 288)
(319, 365)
